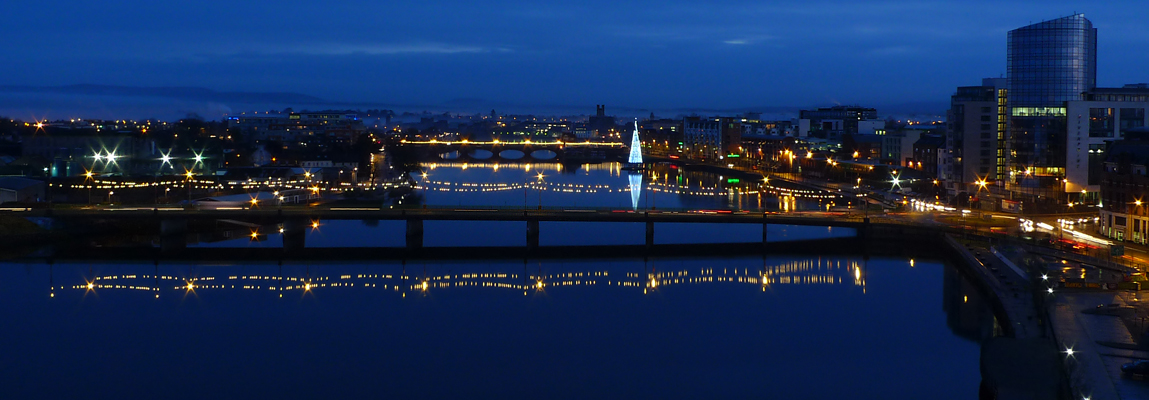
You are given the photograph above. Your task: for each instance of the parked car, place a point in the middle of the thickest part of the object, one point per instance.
(1139, 368)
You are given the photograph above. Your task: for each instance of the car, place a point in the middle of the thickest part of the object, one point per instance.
(1139, 368)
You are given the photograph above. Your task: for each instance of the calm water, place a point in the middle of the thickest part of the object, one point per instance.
(780, 326)
(686, 328)
(659, 187)
(605, 185)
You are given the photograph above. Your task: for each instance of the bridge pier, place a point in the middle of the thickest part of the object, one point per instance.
(532, 234)
(414, 234)
(649, 234)
(173, 235)
(864, 231)
(764, 228)
(294, 234)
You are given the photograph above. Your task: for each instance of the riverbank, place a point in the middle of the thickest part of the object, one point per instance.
(1080, 337)
(786, 181)
(750, 176)
(1100, 343)
(1021, 360)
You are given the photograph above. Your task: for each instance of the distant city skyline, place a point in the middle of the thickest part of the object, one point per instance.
(659, 55)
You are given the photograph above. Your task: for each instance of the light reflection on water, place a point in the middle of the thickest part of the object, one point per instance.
(729, 327)
(658, 186)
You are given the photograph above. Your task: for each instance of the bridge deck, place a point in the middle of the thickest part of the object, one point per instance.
(460, 214)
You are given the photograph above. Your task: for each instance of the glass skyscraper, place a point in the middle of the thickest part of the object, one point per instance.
(1048, 64)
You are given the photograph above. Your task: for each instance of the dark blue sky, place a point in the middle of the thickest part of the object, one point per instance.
(658, 54)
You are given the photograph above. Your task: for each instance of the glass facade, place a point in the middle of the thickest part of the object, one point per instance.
(1100, 122)
(1048, 64)
(1052, 62)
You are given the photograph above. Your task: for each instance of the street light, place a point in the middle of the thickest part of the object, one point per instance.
(188, 179)
(540, 181)
(88, 180)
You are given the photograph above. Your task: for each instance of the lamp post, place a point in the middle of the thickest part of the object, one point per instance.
(188, 180)
(423, 184)
(88, 181)
(540, 182)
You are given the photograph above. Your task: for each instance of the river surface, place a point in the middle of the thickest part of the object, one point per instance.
(784, 327)
(607, 185)
(779, 326)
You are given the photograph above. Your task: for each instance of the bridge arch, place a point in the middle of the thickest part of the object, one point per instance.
(481, 154)
(544, 154)
(512, 154)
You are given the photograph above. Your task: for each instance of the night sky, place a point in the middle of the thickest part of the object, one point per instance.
(657, 54)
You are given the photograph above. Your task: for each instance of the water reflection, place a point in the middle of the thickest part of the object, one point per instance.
(608, 184)
(967, 312)
(799, 272)
(666, 328)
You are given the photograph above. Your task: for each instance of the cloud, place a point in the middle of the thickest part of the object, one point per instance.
(341, 49)
(750, 39)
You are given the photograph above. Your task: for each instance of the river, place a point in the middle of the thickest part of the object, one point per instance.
(778, 326)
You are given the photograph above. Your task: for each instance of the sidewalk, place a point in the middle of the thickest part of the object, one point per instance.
(1095, 369)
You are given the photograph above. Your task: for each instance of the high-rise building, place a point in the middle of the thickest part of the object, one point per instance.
(1048, 64)
(975, 136)
(1100, 117)
(1124, 183)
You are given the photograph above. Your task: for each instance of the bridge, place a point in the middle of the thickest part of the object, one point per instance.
(468, 150)
(876, 235)
(172, 223)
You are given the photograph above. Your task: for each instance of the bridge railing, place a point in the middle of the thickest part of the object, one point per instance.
(977, 232)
